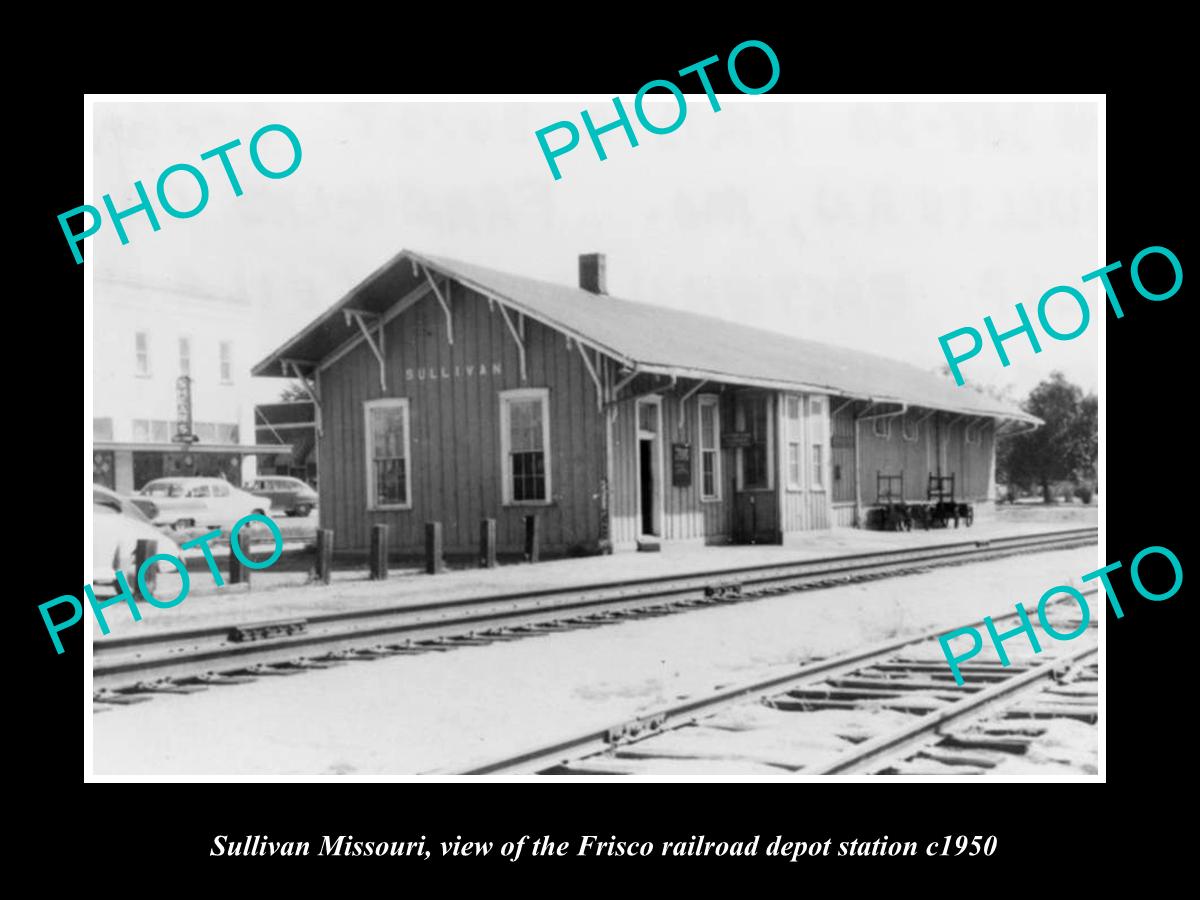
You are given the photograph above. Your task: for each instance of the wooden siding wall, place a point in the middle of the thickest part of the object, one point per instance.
(685, 515)
(916, 460)
(805, 509)
(455, 465)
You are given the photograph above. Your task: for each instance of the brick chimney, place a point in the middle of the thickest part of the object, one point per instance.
(591, 273)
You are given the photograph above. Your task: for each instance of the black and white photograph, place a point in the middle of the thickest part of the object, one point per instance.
(424, 448)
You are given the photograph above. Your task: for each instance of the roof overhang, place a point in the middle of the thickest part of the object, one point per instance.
(171, 447)
(404, 280)
(386, 292)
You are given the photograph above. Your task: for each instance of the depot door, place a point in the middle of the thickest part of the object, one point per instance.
(755, 506)
(649, 426)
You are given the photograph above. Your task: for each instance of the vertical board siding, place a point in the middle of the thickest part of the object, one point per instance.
(684, 515)
(917, 460)
(805, 509)
(454, 466)
(455, 470)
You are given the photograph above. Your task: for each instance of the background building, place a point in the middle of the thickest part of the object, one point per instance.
(146, 337)
(290, 422)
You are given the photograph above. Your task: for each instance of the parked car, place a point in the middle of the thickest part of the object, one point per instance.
(117, 526)
(207, 503)
(291, 495)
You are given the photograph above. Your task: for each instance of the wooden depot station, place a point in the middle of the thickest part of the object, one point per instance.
(448, 392)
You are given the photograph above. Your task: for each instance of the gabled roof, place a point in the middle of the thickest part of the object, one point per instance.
(654, 339)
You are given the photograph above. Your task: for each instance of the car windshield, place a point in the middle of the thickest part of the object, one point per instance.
(163, 489)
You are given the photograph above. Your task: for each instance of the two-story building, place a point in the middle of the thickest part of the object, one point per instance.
(146, 340)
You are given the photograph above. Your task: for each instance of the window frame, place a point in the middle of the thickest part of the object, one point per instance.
(794, 436)
(506, 398)
(369, 459)
(224, 361)
(141, 354)
(916, 429)
(714, 401)
(818, 439)
(977, 427)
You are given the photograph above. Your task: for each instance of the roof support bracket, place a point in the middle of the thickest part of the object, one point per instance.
(842, 406)
(311, 387)
(361, 318)
(442, 300)
(688, 396)
(516, 337)
(624, 382)
(591, 370)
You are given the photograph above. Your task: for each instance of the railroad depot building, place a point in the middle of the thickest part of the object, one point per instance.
(449, 392)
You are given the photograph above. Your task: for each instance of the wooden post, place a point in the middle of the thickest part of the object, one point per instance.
(487, 544)
(379, 552)
(239, 574)
(324, 554)
(142, 552)
(433, 548)
(532, 539)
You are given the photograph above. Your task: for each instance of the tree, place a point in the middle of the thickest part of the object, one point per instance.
(1065, 447)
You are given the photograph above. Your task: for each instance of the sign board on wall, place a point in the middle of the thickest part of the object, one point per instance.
(681, 465)
(736, 439)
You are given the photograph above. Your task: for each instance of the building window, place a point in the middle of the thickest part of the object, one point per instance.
(102, 429)
(141, 341)
(525, 445)
(226, 362)
(185, 356)
(972, 432)
(883, 428)
(227, 434)
(909, 428)
(141, 430)
(387, 442)
(817, 430)
(795, 443)
(159, 431)
(710, 448)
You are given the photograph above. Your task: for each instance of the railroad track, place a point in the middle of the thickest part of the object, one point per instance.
(133, 669)
(892, 708)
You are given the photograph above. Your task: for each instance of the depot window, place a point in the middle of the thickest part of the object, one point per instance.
(883, 428)
(795, 443)
(525, 445)
(818, 431)
(388, 468)
(710, 448)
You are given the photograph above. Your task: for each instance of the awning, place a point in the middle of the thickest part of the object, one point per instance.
(198, 447)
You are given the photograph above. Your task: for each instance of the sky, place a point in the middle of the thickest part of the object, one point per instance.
(878, 226)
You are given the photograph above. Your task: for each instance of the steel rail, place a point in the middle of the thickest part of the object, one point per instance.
(654, 585)
(125, 663)
(578, 748)
(895, 742)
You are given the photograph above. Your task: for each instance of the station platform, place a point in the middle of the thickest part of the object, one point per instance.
(289, 595)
